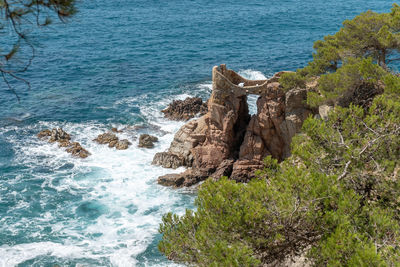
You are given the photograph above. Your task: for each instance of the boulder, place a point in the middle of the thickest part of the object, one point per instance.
(115, 130)
(63, 139)
(122, 144)
(77, 150)
(185, 109)
(44, 134)
(147, 141)
(112, 140)
(106, 138)
(58, 135)
(168, 160)
(179, 153)
(188, 178)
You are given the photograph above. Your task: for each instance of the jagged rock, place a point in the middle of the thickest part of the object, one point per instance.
(63, 139)
(179, 153)
(147, 141)
(122, 144)
(44, 133)
(188, 178)
(168, 160)
(77, 150)
(112, 140)
(58, 135)
(64, 143)
(115, 130)
(224, 169)
(106, 138)
(185, 109)
(229, 141)
(175, 180)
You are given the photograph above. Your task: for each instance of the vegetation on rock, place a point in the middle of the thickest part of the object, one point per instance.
(336, 199)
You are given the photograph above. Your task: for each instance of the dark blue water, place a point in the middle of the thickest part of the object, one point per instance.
(117, 63)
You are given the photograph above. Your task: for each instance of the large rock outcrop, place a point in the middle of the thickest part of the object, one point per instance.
(226, 141)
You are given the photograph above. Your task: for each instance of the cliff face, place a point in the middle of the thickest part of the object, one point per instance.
(226, 140)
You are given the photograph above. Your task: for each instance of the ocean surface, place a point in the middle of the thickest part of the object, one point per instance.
(117, 64)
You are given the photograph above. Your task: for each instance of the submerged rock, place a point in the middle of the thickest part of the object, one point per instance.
(122, 144)
(147, 141)
(112, 140)
(77, 150)
(185, 109)
(63, 139)
(44, 133)
(106, 138)
(59, 135)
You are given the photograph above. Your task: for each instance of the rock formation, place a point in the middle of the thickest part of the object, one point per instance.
(226, 140)
(147, 141)
(185, 109)
(112, 140)
(64, 140)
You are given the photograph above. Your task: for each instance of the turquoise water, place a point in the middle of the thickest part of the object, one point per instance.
(116, 64)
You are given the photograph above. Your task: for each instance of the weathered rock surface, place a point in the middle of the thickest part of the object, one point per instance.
(63, 139)
(147, 141)
(112, 140)
(59, 135)
(188, 178)
(77, 150)
(226, 141)
(168, 160)
(185, 109)
(180, 152)
(106, 138)
(122, 144)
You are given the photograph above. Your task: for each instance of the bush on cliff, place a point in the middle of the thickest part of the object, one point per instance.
(337, 198)
(369, 35)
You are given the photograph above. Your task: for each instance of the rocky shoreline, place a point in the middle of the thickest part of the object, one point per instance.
(226, 140)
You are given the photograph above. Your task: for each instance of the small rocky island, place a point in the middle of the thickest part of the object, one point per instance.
(226, 140)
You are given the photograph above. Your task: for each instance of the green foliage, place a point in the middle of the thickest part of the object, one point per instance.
(357, 82)
(338, 195)
(336, 200)
(346, 59)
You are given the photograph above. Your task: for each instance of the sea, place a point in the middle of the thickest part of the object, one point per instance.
(117, 64)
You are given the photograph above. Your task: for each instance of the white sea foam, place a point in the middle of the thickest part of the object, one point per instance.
(122, 183)
(252, 75)
(119, 187)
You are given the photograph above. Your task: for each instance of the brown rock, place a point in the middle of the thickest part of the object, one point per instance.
(224, 169)
(106, 138)
(230, 143)
(64, 143)
(58, 135)
(122, 144)
(188, 178)
(175, 180)
(147, 141)
(168, 160)
(44, 133)
(77, 150)
(185, 109)
(115, 130)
